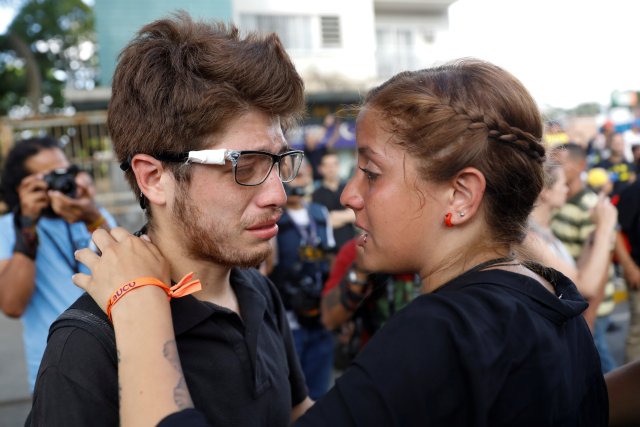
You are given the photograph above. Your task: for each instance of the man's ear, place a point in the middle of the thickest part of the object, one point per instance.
(148, 171)
(469, 186)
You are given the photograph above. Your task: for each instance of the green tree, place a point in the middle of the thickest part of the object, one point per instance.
(48, 45)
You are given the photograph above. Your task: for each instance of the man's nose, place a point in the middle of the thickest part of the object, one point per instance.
(273, 189)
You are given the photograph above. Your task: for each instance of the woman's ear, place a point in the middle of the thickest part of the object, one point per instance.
(469, 186)
(148, 171)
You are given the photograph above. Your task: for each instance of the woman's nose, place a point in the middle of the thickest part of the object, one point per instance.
(350, 196)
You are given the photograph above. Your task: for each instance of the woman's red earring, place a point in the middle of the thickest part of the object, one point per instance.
(447, 220)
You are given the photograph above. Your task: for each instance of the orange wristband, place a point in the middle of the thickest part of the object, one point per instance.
(184, 287)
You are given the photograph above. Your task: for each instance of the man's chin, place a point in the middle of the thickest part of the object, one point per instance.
(231, 259)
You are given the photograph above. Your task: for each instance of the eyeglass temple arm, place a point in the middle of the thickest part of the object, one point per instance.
(209, 157)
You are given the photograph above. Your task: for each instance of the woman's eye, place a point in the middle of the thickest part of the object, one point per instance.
(371, 176)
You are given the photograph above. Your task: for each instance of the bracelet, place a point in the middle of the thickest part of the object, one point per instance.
(96, 224)
(184, 287)
(26, 235)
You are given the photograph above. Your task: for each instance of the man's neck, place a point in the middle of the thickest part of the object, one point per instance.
(215, 278)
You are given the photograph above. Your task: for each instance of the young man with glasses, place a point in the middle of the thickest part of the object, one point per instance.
(196, 118)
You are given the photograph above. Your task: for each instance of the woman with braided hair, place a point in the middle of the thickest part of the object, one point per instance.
(450, 164)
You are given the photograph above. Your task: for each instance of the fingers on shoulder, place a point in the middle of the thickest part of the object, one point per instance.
(81, 280)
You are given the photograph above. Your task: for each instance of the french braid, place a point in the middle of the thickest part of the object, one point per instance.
(516, 137)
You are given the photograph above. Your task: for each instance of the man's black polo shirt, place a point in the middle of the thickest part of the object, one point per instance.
(241, 371)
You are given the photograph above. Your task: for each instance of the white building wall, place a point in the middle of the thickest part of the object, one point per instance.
(406, 42)
(351, 65)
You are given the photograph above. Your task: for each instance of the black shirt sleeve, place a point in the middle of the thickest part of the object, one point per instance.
(77, 384)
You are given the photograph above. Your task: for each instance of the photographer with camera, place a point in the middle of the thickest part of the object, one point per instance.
(304, 245)
(356, 303)
(52, 214)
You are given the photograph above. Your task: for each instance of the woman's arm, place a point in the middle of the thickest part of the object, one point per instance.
(152, 385)
(594, 262)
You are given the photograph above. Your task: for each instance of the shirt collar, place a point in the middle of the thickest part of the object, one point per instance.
(188, 311)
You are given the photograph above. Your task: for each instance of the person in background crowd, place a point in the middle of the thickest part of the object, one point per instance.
(621, 170)
(303, 255)
(52, 214)
(572, 224)
(554, 135)
(594, 261)
(449, 168)
(328, 194)
(358, 303)
(628, 256)
(635, 154)
(317, 141)
(196, 118)
(631, 138)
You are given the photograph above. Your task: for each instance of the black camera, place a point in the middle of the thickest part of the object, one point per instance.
(63, 180)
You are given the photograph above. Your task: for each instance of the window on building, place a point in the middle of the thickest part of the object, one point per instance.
(330, 30)
(294, 30)
(395, 50)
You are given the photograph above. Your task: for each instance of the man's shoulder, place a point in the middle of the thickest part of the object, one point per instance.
(78, 370)
(82, 328)
(80, 348)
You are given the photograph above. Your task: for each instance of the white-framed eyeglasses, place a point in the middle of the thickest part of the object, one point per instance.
(250, 168)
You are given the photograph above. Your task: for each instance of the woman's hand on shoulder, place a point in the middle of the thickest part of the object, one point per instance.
(123, 257)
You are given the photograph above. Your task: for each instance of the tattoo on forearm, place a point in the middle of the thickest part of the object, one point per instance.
(180, 392)
(181, 395)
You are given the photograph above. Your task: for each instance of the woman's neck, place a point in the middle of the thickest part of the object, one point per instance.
(440, 276)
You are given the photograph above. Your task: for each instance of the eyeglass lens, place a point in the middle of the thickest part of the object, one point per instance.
(253, 169)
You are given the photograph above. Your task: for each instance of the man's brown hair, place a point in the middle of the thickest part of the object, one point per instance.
(178, 82)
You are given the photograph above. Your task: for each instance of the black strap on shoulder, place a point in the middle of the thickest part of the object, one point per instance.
(99, 328)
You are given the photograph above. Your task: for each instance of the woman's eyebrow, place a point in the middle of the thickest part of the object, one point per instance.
(369, 153)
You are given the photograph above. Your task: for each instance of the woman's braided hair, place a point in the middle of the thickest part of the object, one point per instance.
(470, 113)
